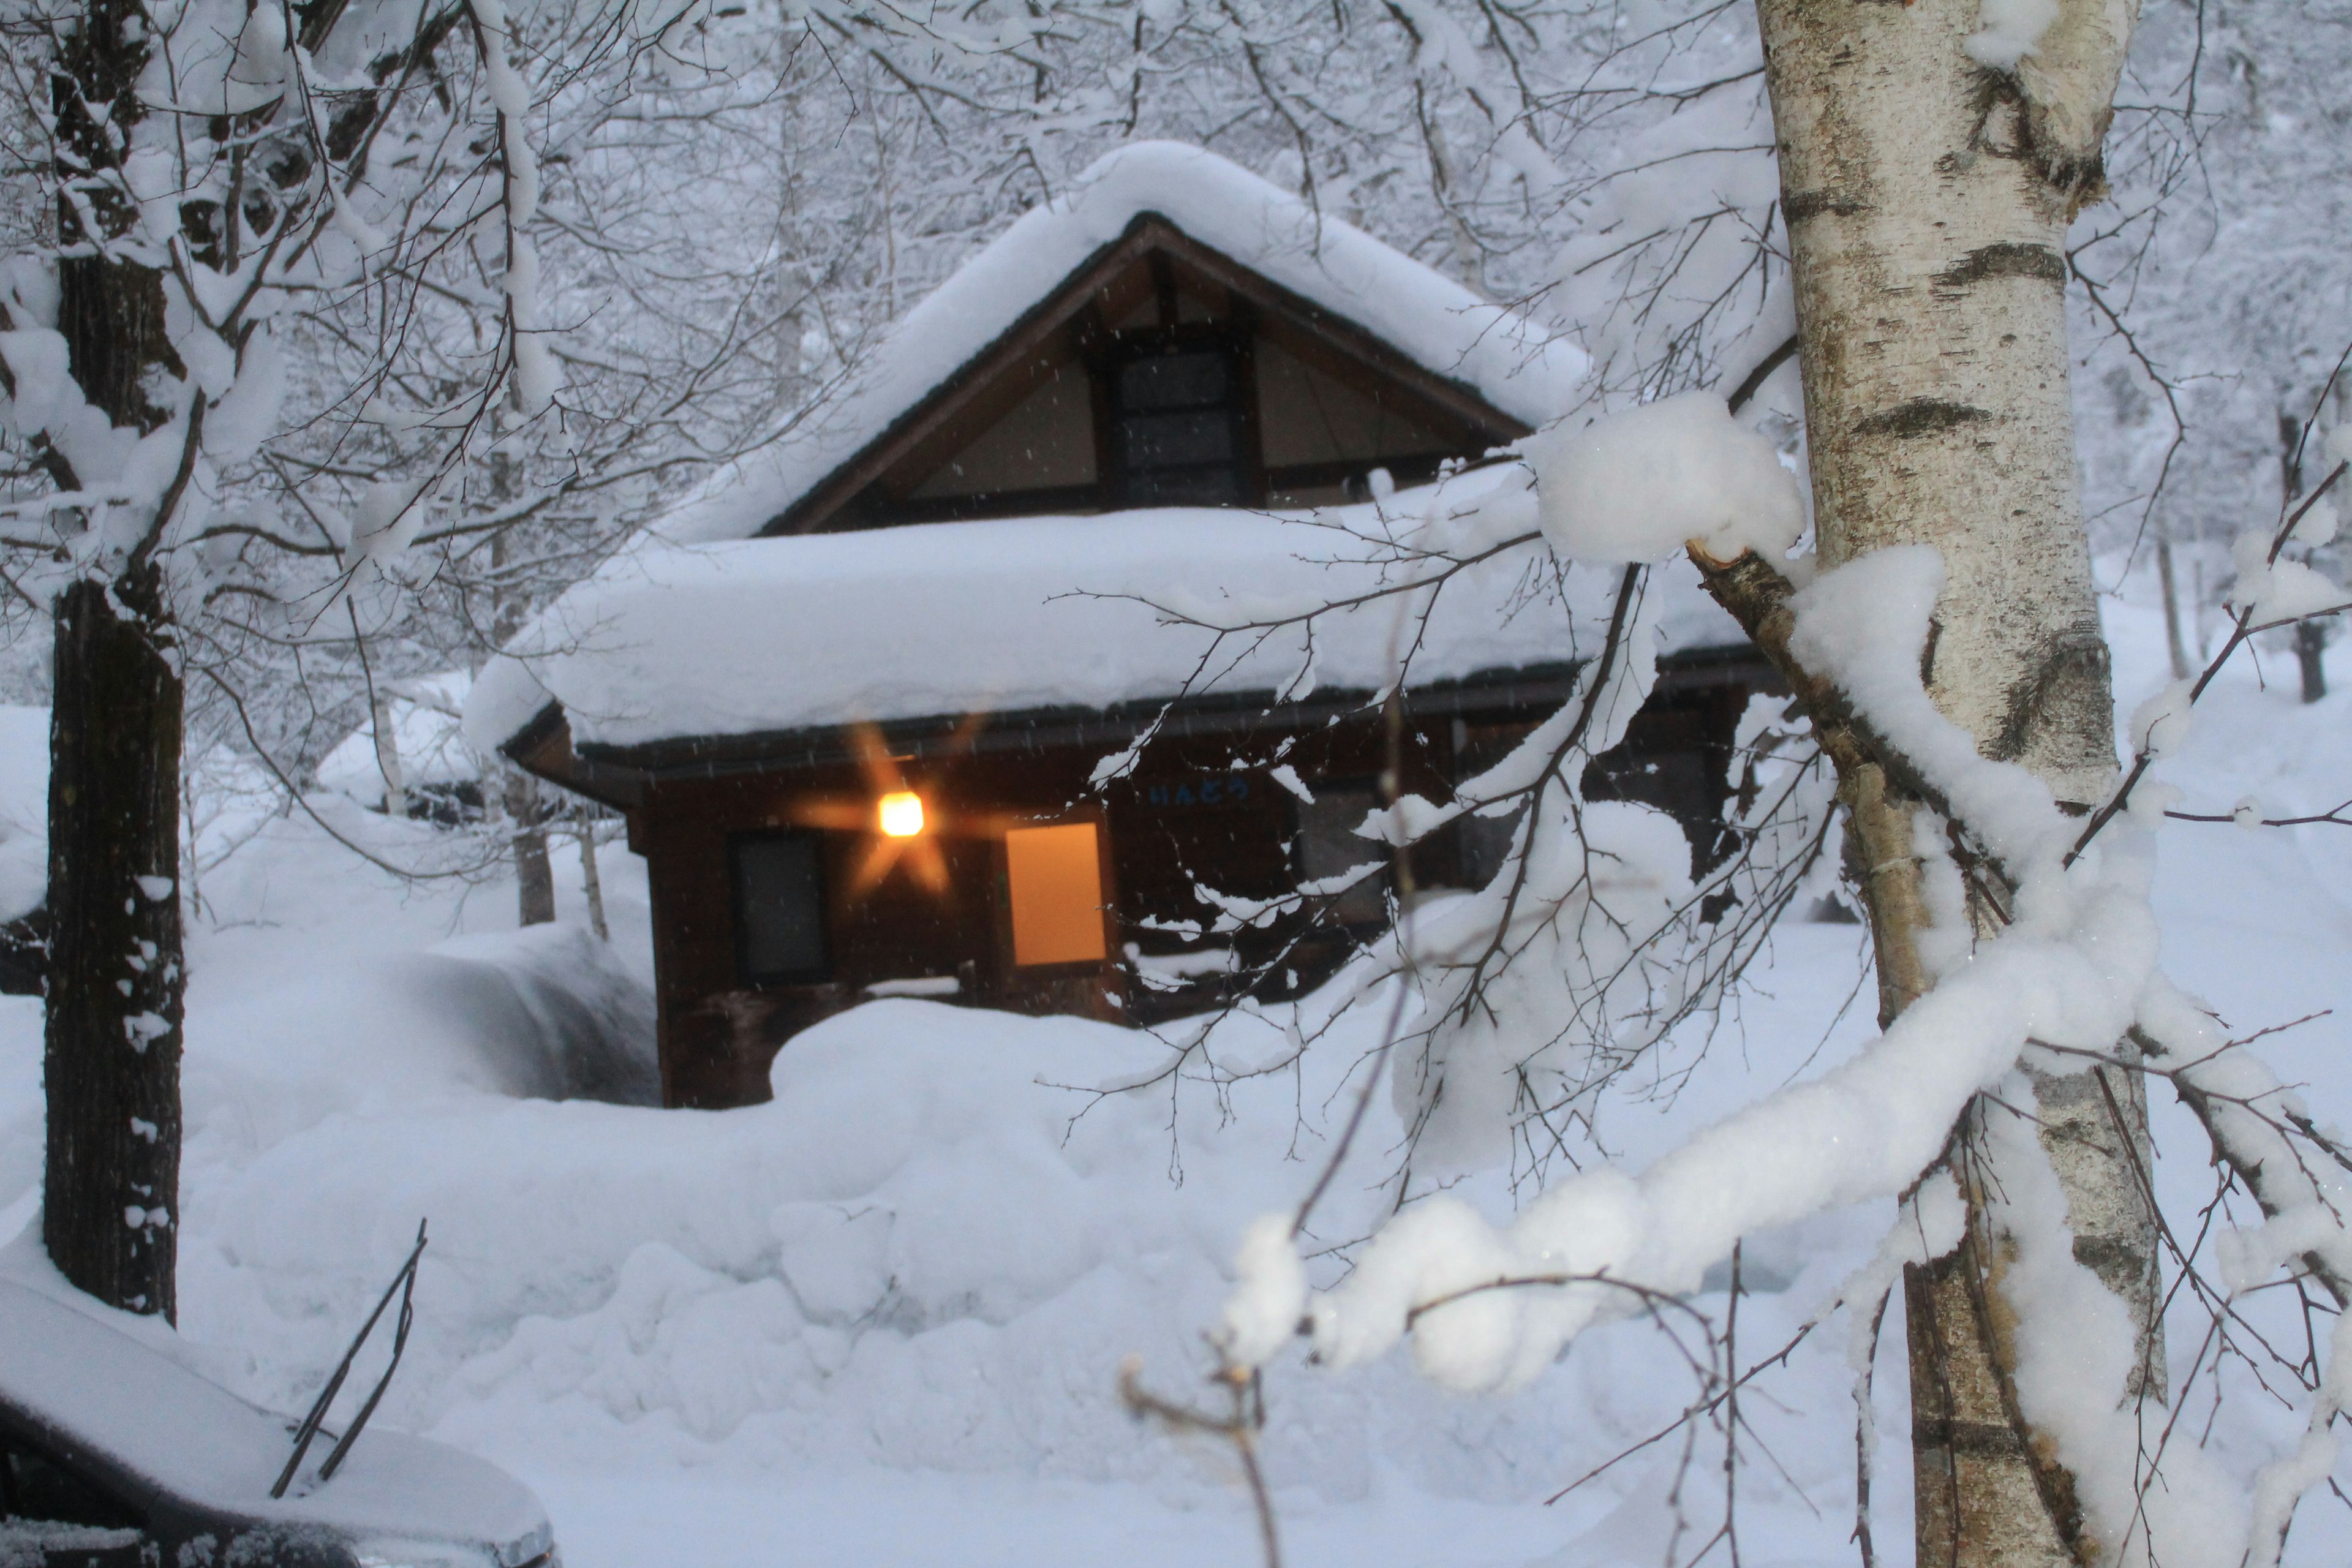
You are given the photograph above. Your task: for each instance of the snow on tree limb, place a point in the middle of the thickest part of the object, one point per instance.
(2070, 973)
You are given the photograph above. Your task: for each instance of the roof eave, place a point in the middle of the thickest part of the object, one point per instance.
(1053, 728)
(543, 748)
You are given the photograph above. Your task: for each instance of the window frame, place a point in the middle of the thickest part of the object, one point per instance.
(823, 971)
(126, 1514)
(1326, 910)
(1230, 348)
(1106, 890)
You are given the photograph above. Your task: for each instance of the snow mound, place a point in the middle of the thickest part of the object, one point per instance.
(557, 1015)
(547, 1013)
(929, 1251)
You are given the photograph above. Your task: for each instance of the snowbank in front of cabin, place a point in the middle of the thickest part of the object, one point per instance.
(548, 1013)
(948, 618)
(921, 1255)
(926, 1259)
(1508, 358)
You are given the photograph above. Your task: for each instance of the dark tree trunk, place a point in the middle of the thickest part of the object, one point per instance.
(2310, 642)
(111, 1063)
(2310, 637)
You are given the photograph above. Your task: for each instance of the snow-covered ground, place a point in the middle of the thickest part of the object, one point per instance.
(881, 1320)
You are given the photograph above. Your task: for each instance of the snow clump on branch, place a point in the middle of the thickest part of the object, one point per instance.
(1645, 483)
(2279, 590)
(1486, 1305)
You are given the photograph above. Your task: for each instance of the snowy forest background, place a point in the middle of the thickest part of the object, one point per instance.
(733, 202)
(669, 1330)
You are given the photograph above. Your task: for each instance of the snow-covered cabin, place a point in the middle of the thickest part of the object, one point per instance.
(856, 695)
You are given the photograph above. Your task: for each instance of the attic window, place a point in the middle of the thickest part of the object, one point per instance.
(1176, 431)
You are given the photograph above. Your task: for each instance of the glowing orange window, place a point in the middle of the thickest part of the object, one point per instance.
(1055, 881)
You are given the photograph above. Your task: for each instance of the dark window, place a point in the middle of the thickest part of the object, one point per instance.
(1328, 848)
(780, 907)
(1173, 381)
(1177, 437)
(1184, 486)
(1176, 440)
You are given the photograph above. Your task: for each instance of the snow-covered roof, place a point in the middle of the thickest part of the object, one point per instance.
(1512, 362)
(768, 635)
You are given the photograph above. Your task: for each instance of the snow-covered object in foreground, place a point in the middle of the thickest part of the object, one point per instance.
(2161, 723)
(1642, 484)
(2012, 30)
(1269, 1294)
(1865, 627)
(196, 1461)
(946, 618)
(1442, 326)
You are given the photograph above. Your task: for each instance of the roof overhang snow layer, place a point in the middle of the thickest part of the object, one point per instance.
(757, 636)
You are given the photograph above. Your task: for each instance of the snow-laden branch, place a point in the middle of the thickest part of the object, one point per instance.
(2067, 971)
(537, 379)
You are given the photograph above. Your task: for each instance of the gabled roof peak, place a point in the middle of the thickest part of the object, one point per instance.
(1506, 358)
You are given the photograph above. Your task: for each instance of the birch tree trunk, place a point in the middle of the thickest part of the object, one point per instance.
(526, 812)
(1928, 198)
(591, 884)
(387, 755)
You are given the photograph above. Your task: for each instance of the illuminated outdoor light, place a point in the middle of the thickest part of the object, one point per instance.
(902, 814)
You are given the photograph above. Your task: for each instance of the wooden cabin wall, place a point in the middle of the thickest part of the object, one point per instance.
(719, 1033)
(1198, 811)
(1189, 817)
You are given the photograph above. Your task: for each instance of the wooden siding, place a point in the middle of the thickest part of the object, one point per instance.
(1188, 815)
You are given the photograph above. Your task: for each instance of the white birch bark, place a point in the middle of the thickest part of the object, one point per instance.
(591, 884)
(387, 755)
(1928, 198)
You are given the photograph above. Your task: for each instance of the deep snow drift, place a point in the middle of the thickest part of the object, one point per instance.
(882, 1316)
